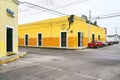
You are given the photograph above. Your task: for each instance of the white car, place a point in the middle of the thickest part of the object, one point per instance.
(105, 43)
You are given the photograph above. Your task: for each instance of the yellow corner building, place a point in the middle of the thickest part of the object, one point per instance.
(63, 32)
(8, 27)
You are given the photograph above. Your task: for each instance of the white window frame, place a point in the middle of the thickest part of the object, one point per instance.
(82, 38)
(66, 39)
(41, 39)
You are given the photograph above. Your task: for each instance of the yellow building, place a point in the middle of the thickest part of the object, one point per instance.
(8, 27)
(64, 32)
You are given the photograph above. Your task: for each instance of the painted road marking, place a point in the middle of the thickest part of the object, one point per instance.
(62, 70)
(89, 77)
(75, 73)
(25, 61)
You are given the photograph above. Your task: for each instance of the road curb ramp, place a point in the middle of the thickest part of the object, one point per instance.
(12, 57)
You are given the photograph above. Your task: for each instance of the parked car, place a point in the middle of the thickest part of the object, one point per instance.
(110, 42)
(115, 42)
(105, 43)
(95, 44)
(100, 44)
(92, 45)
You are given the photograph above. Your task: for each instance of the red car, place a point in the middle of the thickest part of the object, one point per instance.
(95, 44)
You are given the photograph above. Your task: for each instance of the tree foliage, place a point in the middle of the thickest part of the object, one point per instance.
(88, 21)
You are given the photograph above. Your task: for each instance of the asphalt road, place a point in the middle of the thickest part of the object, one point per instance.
(55, 64)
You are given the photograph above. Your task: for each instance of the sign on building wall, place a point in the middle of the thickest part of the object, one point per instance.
(10, 12)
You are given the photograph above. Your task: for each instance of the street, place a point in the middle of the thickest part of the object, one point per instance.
(58, 64)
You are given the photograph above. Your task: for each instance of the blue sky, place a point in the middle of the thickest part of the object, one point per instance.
(97, 7)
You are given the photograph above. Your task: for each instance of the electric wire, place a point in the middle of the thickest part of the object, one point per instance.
(106, 16)
(43, 8)
(62, 5)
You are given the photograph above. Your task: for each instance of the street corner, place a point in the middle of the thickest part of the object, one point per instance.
(12, 58)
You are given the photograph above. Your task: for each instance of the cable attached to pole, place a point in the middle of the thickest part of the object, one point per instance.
(44, 8)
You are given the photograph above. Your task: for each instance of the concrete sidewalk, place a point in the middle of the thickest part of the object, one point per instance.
(12, 57)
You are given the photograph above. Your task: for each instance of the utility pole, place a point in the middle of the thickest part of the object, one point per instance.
(89, 26)
(116, 33)
(51, 2)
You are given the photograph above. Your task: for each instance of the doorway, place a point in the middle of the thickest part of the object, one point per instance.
(80, 39)
(98, 37)
(9, 39)
(63, 39)
(93, 37)
(26, 40)
(39, 39)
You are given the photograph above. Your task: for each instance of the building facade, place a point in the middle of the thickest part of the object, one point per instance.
(63, 32)
(8, 27)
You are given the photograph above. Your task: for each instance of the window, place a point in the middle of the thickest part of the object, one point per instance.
(93, 37)
(98, 37)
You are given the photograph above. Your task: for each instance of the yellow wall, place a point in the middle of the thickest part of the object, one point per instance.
(51, 30)
(7, 21)
(83, 27)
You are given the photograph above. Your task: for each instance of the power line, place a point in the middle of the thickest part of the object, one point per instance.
(43, 8)
(61, 4)
(71, 3)
(106, 16)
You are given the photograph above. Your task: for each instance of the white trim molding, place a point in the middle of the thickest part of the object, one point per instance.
(41, 39)
(66, 39)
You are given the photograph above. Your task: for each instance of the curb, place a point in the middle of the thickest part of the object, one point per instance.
(11, 58)
(80, 48)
